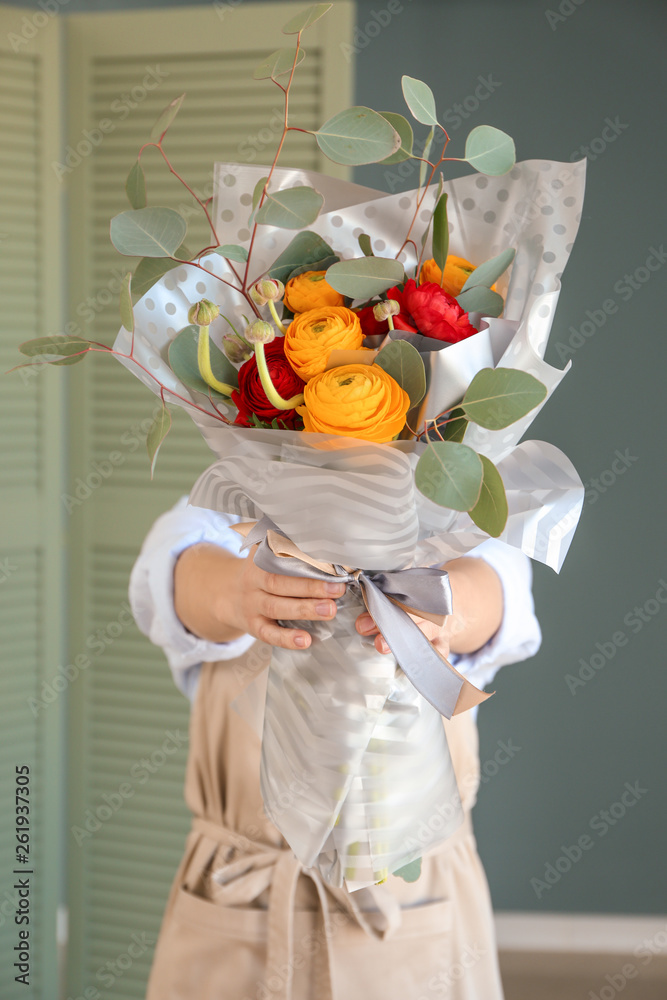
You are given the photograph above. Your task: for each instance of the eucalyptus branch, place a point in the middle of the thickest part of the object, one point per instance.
(285, 90)
(163, 388)
(420, 198)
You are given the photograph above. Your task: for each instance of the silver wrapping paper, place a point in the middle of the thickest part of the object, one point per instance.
(356, 771)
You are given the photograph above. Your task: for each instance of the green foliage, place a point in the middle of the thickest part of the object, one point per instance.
(278, 64)
(302, 252)
(166, 118)
(62, 348)
(183, 363)
(426, 152)
(450, 474)
(498, 397)
(411, 872)
(151, 269)
(232, 252)
(479, 298)
(135, 186)
(404, 129)
(419, 98)
(307, 17)
(126, 311)
(365, 245)
(490, 151)
(148, 232)
(455, 428)
(157, 432)
(357, 135)
(440, 232)
(490, 270)
(364, 277)
(257, 194)
(490, 511)
(291, 208)
(404, 363)
(317, 265)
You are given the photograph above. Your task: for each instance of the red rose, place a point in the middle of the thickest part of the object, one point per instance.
(426, 309)
(250, 397)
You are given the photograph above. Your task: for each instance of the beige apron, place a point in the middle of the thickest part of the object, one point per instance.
(245, 921)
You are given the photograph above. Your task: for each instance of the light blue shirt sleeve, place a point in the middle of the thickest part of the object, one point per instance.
(152, 599)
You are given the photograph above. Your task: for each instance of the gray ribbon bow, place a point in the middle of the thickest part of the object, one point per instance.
(425, 588)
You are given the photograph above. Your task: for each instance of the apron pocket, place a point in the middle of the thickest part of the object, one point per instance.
(408, 965)
(207, 951)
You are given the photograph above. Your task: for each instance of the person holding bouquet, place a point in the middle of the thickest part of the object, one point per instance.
(244, 919)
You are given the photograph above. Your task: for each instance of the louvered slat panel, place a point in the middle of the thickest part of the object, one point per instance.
(19, 265)
(128, 701)
(25, 562)
(20, 625)
(133, 707)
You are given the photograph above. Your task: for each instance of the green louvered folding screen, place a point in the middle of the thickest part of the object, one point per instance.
(123, 69)
(32, 704)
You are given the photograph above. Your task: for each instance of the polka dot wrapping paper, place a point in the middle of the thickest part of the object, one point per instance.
(534, 209)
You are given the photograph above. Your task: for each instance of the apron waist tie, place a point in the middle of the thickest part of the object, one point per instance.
(254, 867)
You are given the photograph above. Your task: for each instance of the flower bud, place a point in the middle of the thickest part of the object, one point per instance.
(260, 332)
(203, 313)
(236, 349)
(383, 310)
(266, 290)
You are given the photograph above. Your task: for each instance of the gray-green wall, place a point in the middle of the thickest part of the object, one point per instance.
(559, 72)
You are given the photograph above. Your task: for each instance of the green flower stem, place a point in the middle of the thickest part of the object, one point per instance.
(390, 320)
(204, 364)
(268, 386)
(276, 319)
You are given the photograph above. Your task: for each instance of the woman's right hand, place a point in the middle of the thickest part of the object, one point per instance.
(220, 597)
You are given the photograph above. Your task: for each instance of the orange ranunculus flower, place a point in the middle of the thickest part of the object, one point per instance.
(310, 290)
(360, 401)
(457, 272)
(314, 334)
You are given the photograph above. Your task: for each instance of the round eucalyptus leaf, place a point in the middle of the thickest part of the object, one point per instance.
(404, 129)
(232, 252)
(481, 299)
(498, 397)
(357, 135)
(419, 98)
(364, 277)
(305, 18)
(148, 232)
(490, 270)
(278, 64)
(166, 117)
(157, 432)
(305, 248)
(490, 511)
(404, 363)
(151, 269)
(450, 474)
(291, 208)
(135, 186)
(490, 151)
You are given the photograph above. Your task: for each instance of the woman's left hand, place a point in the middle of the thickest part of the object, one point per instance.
(436, 633)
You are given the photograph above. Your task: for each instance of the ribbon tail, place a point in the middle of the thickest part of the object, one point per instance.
(430, 673)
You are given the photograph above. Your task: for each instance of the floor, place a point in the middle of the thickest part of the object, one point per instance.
(583, 977)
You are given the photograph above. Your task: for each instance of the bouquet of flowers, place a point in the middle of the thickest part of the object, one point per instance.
(365, 391)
